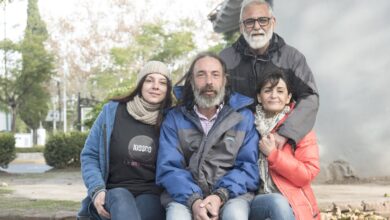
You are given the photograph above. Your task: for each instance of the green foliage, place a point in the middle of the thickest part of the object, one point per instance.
(34, 149)
(229, 39)
(63, 150)
(23, 86)
(35, 26)
(36, 108)
(94, 113)
(7, 149)
(152, 42)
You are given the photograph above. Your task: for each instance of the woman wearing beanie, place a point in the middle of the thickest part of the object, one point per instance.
(119, 156)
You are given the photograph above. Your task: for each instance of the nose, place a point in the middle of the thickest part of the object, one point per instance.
(256, 26)
(273, 94)
(156, 85)
(209, 79)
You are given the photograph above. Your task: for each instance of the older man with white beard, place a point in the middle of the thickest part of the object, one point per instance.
(208, 148)
(259, 50)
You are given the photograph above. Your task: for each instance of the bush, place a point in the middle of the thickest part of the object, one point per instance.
(7, 149)
(34, 149)
(63, 149)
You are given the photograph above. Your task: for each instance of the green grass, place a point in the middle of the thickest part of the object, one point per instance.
(38, 176)
(4, 191)
(39, 208)
(25, 206)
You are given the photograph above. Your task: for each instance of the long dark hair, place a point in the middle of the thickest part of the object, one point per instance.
(165, 104)
(187, 97)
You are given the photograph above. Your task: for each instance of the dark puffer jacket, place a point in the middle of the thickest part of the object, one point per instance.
(245, 70)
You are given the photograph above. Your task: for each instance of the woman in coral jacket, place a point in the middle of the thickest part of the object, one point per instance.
(286, 174)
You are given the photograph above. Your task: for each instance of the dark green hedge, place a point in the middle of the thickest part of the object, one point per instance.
(34, 149)
(7, 149)
(62, 150)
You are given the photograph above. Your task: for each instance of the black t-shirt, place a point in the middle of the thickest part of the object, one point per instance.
(133, 153)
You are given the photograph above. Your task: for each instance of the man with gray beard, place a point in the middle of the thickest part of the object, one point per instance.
(259, 50)
(208, 148)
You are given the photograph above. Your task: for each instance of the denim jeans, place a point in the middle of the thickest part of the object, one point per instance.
(271, 206)
(121, 204)
(234, 209)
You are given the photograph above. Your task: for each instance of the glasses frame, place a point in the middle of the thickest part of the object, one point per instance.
(263, 22)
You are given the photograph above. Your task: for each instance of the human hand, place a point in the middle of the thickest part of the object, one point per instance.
(99, 204)
(280, 141)
(212, 203)
(267, 144)
(198, 212)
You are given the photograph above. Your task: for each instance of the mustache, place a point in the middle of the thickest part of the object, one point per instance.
(207, 88)
(257, 32)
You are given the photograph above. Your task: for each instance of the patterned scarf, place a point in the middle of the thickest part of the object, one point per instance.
(264, 126)
(143, 111)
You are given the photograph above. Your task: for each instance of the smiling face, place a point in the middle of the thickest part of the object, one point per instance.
(257, 26)
(274, 99)
(154, 88)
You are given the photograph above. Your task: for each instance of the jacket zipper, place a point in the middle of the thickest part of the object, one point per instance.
(308, 202)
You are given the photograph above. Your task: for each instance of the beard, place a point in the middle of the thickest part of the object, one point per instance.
(258, 41)
(206, 101)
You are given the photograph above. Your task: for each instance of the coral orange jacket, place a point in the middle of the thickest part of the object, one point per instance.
(292, 172)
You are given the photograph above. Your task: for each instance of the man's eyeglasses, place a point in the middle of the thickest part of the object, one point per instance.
(250, 22)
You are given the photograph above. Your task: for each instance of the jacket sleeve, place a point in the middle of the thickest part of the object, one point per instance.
(300, 169)
(171, 166)
(305, 93)
(244, 177)
(90, 160)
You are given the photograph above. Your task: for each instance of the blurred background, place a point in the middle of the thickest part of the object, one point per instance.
(61, 59)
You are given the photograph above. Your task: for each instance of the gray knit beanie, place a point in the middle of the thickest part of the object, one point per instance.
(154, 67)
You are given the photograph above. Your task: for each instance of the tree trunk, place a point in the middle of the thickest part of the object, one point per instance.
(13, 120)
(35, 137)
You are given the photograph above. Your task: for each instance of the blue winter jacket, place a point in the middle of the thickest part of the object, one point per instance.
(192, 165)
(95, 155)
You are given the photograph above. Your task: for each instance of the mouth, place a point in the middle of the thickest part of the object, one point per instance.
(255, 35)
(154, 94)
(258, 33)
(209, 92)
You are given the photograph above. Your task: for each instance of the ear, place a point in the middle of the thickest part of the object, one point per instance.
(241, 27)
(289, 98)
(258, 98)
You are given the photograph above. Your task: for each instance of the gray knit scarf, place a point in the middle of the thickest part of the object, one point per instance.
(143, 111)
(264, 126)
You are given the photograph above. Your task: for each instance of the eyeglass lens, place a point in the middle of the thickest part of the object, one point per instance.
(250, 22)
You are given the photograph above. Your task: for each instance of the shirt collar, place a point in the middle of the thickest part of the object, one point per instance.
(203, 117)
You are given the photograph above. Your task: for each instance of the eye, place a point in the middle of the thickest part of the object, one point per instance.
(249, 22)
(200, 74)
(263, 20)
(216, 74)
